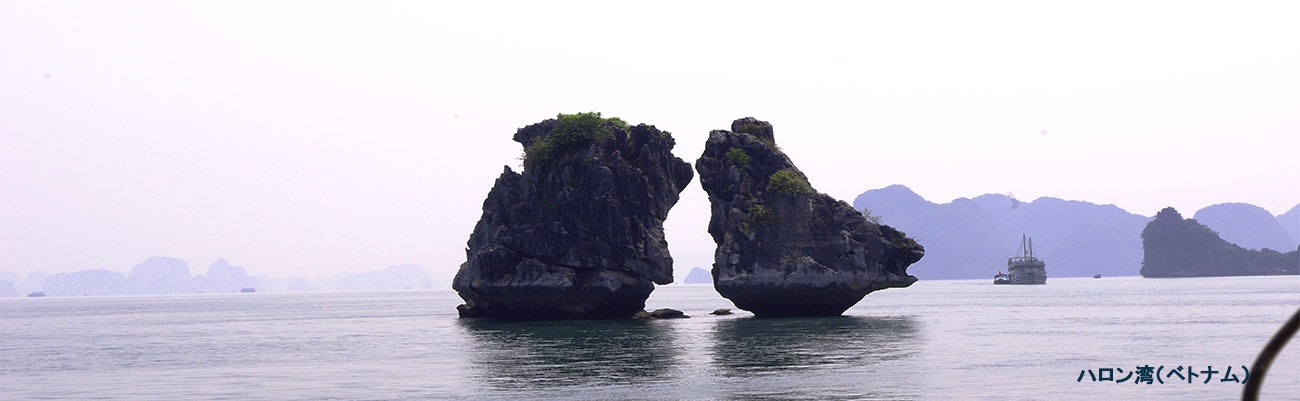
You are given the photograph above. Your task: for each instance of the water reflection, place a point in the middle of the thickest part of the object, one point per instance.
(748, 346)
(522, 355)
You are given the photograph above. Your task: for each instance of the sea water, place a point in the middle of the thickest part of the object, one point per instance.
(959, 339)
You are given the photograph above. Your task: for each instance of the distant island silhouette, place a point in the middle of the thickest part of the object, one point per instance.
(698, 276)
(165, 275)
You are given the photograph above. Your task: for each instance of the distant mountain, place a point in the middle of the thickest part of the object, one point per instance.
(88, 282)
(33, 283)
(698, 276)
(972, 238)
(1290, 222)
(163, 275)
(402, 277)
(1246, 225)
(1178, 247)
(222, 277)
(7, 289)
(10, 285)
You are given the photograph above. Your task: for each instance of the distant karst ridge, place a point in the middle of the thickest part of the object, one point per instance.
(1246, 225)
(166, 275)
(972, 237)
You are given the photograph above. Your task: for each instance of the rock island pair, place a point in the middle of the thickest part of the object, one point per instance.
(579, 234)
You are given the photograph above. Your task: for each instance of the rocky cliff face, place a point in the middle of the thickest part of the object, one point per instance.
(1177, 247)
(783, 248)
(580, 233)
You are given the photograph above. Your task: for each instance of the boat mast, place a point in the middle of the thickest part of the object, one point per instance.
(1024, 250)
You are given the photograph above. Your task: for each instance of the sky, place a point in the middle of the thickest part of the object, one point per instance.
(311, 138)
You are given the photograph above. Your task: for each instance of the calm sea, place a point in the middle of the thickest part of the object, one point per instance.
(936, 340)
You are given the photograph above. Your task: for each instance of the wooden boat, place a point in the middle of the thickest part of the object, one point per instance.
(1025, 268)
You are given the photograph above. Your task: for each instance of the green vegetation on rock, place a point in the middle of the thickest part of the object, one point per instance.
(738, 156)
(788, 181)
(870, 217)
(751, 128)
(762, 215)
(759, 131)
(574, 131)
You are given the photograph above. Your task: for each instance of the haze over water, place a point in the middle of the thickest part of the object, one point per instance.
(304, 139)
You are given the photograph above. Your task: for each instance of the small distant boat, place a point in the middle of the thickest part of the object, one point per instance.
(1098, 275)
(36, 294)
(248, 289)
(1023, 269)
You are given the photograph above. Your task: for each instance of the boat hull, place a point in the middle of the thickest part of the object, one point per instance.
(1026, 270)
(1028, 279)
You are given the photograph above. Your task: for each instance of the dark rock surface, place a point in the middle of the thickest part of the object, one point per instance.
(1177, 247)
(579, 234)
(783, 248)
(663, 313)
(668, 313)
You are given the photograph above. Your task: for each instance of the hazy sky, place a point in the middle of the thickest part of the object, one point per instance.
(304, 139)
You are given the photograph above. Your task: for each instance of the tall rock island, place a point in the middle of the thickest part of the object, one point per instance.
(1176, 247)
(579, 234)
(783, 248)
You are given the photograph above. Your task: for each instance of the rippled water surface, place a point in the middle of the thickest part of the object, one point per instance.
(935, 340)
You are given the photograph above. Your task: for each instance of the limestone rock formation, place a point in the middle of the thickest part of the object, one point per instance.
(698, 276)
(161, 275)
(579, 234)
(661, 313)
(783, 248)
(222, 277)
(1176, 247)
